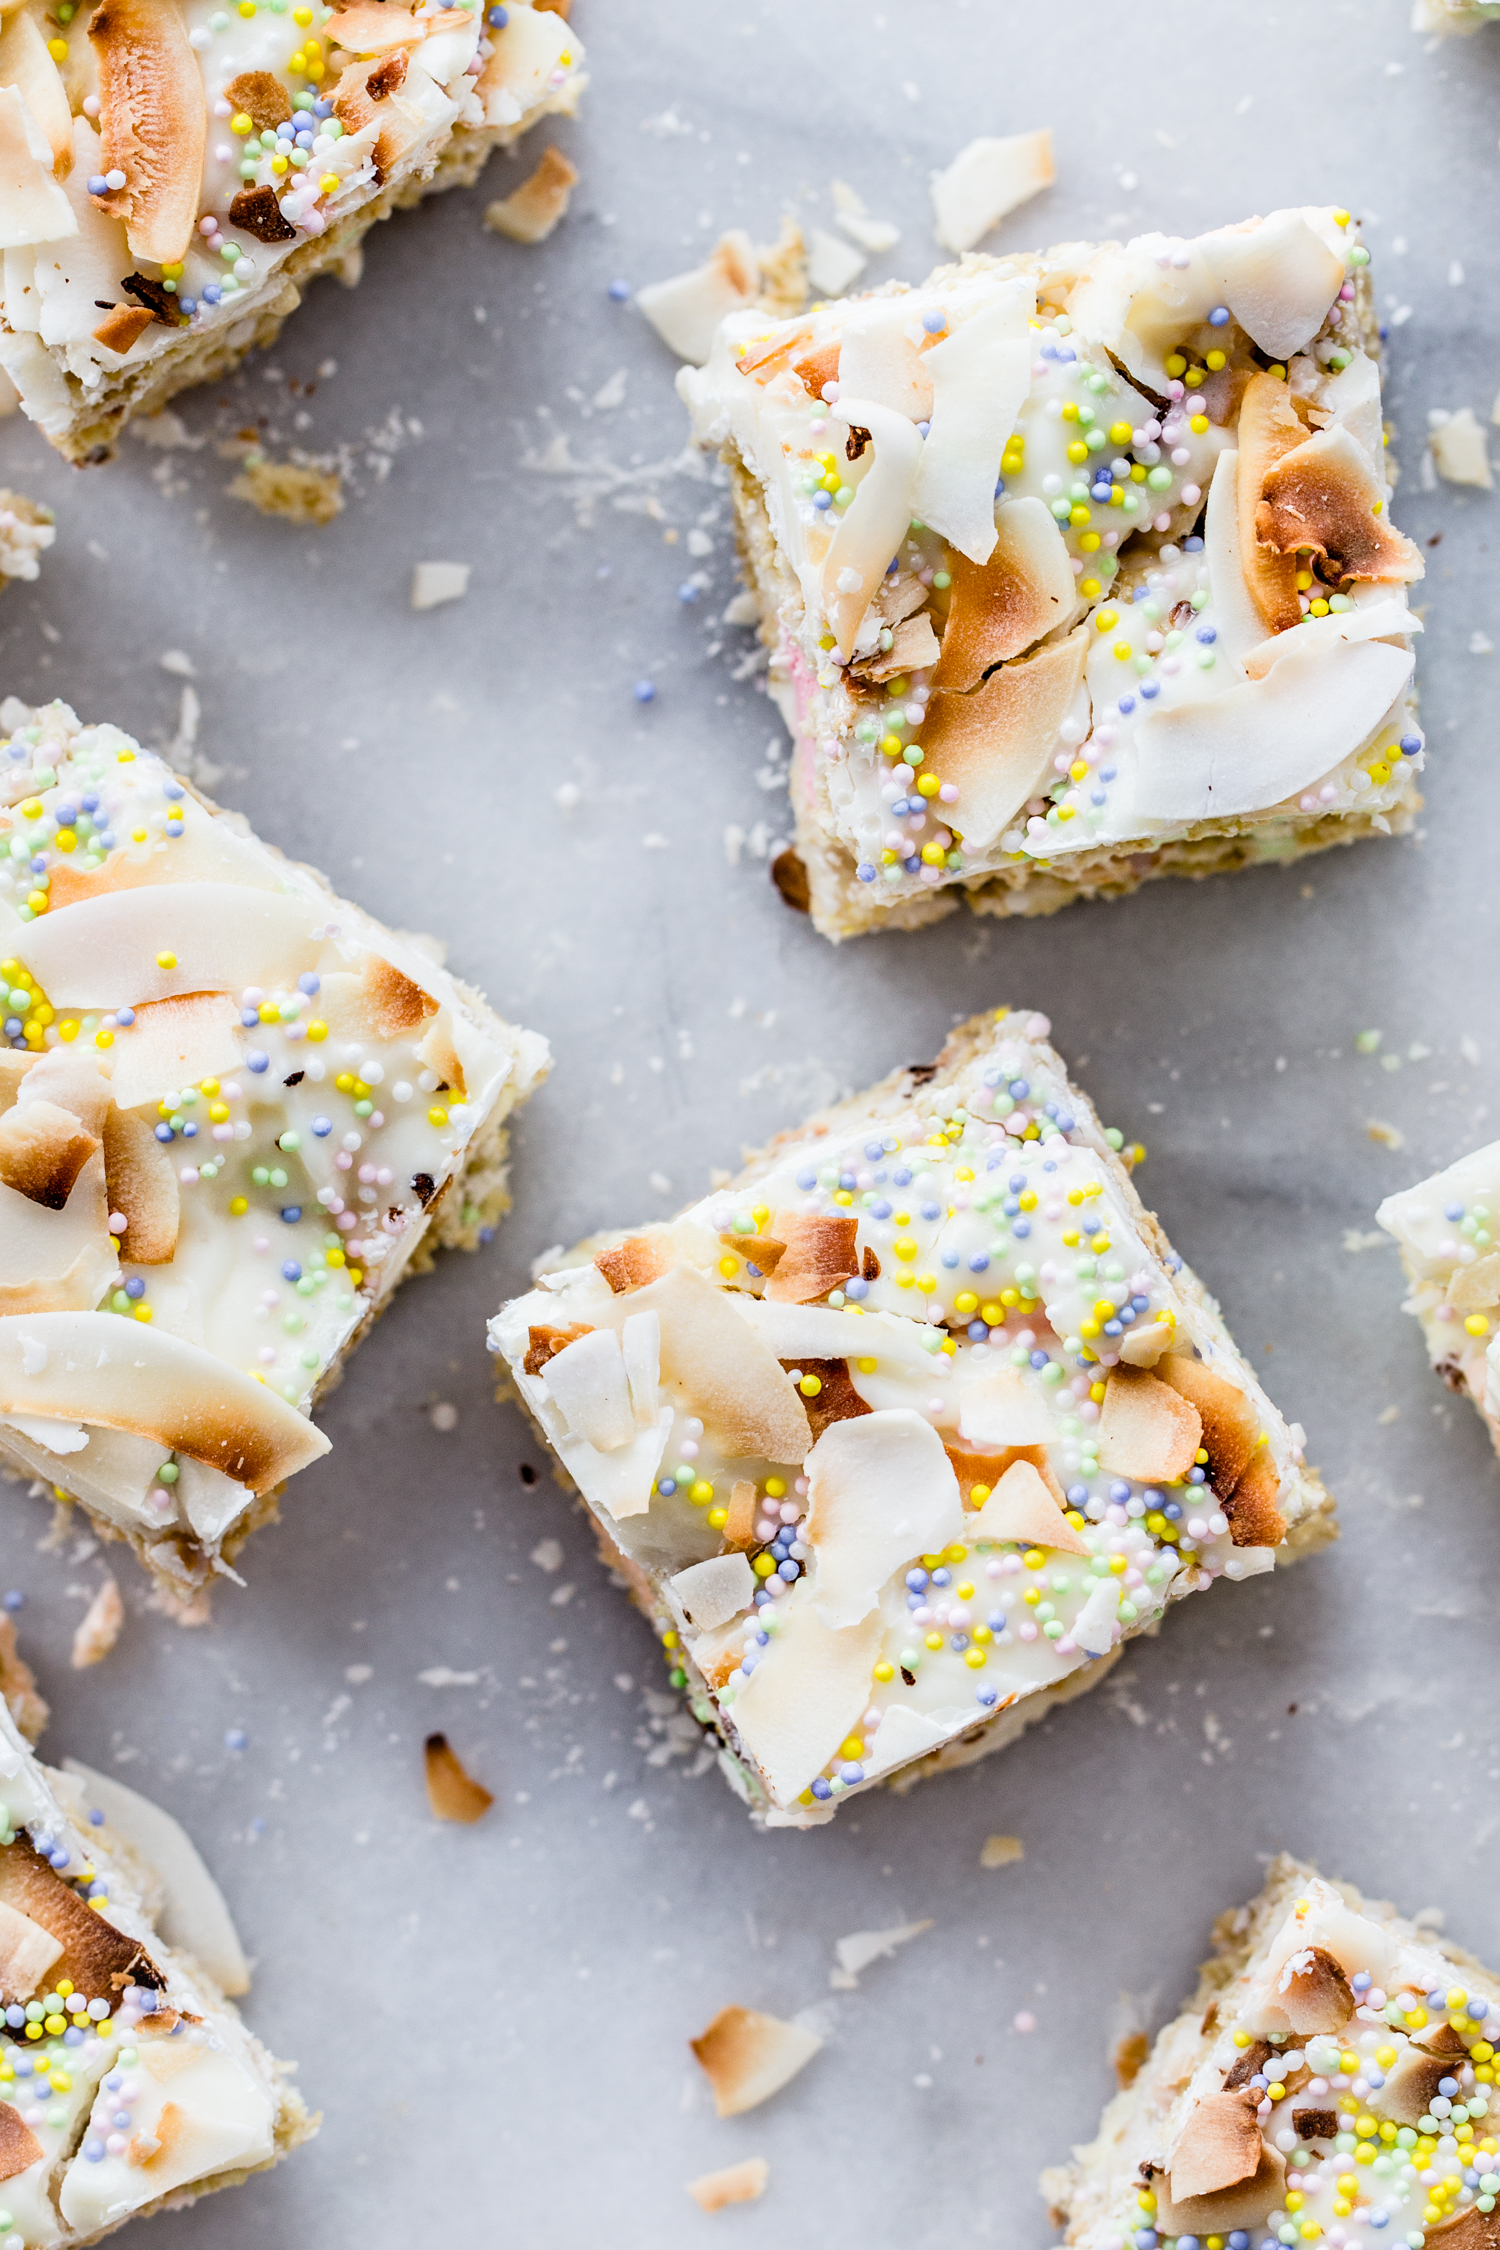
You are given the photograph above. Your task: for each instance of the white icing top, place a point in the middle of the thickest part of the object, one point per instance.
(1448, 1228)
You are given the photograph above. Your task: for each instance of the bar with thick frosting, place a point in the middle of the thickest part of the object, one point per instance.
(175, 172)
(1332, 2080)
(900, 1436)
(1075, 568)
(234, 1112)
(1448, 1231)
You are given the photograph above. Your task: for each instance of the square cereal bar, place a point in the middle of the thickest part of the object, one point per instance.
(901, 1435)
(176, 172)
(234, 1112)
(1447, 1228)
(1075, 568)
(1330, 2081)
(128, 2083)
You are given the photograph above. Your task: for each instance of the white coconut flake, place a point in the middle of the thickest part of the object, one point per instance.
(986, 181)
(433, 583)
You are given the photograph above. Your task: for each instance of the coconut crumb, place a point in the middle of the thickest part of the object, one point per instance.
(737, 2183)
(1001, 1851)
(452, 1791)
(433, 583)
(100, 1628)
(1458, 449)
(289, 490)
(26, 532)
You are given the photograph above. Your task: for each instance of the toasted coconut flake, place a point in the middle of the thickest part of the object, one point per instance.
(397, 1005)
(1143, 1347)
(639, 1259)
(100, 1959)
(42, 1151)
(986, 182)
(1313, 1992)
(1315, 2124)
(57, 1261)
(452, 1793)
(837, 1401)
(744, 2182)
(1147, 1431)
(710, 1354)
(789, 874)
(531, 211)
(1255, 1520)
(914, 647)
(820, 1255)
(103, 951)
(1231, 1421)
(27, 1952)
(1323, 495)
(686, 311)
(1475, 1288)
(1129, 2057)
(542, 1344)
(14, 1069)
(26, 63)
(881, 1489)
(1021, 1508)
(1409, 2086)
(1218, 2147)
(99, 1628)
(263, 98)
(813, 370)
(118, 332)
(363, 95)
(175, 1043)
(1472, 2229)
(1004, 606)
(996, 746)
(1001, 1851)
(33, 208)
(153, 123)
(373, 27)
(739, 1525)
(1243, 2205)
(747, 2057)
(19, 2146)
(1268, 429)
(762, 1251)
(256, 211)
(711, 1593)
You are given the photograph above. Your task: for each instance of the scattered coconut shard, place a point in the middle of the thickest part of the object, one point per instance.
(744, 2182)
(748, 2057)
(686, 311)
(235, 1111)
(180, 172)
(901, 1435)
(1075, 567)
(1459, 448)
(99, 1628)
(452, 1792)
(986, 182)
(531, 211)
(98, 1889)
(27, 530)
(1324, 2025)
(1447, 1229)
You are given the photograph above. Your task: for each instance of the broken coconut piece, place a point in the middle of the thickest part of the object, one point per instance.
(143, 205)
(744, 2182)
(531, 211)
(268, 1031)
(903, 468)
(99, 1628)
(747, 2057)
(1218, 2121)
(91, 1883)
(828, 1504)
(1444, 1227)
(27, 530)
(986, 182)
(1459, 449)
(452, 1792)
(686, 311)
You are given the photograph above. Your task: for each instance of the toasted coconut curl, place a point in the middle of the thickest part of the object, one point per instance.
(747, 2057)
(1323, 495)
(153, 123)
(1231, 1424)
(42, 1151)
(100, 1627)
(837, 1401)
(142, 1187)
(19, 2146)
(1003, 606)
(263, 98)
(452, 1793)
(118, 332)
(1219, 2146)
(1313, 1993)
(543, 1344)
(820, 1255)
(1147, 1431)
(397, 1005)
(100, 1959)
(531, 211)
(1243, 2205)
(1268, 429)
(759, 1250)
(1255, 1520)
(631, 1264)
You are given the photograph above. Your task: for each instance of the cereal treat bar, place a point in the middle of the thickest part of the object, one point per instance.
(234, 1112)
(1330, 2081)
(1447, 1228)
(1075, 568)
(174, 172)
(899, 1437)
(128, 2083)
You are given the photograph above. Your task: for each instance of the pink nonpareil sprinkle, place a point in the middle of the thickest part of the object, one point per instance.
(1025, 2021)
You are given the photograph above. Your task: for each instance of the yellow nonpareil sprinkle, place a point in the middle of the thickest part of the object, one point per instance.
(166, 960)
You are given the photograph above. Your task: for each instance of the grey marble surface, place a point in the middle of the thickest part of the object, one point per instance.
(493, 2020)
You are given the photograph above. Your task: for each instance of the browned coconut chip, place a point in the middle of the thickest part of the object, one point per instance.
(1323, 495)
(363, 92)
(639, 1259)
(747, 2057)
(789, 874)
(734, 1382)
(120, 872)
(117, 332)
(1243, 2205)
(176, 1042)
(1409, 2086)
(1317, 2124)
(914, 647)
(19, 2146)
(256, 211)
(1313, 1992)
(27, 1952)
(988, 1468)
(837, 1400)
(1268, 428)
(531, 211)
(1470, 2230)
(997, 744)
(142, 1187)
(395, 1002)
(820, 1255)
(452, 1793)
(739, 1523)
(1003, 606)
(762, 1251)
(815, 368)
(1129, 2055)
(1219, 2146)
(42, 1151)
(374, 28)
(1253, 2059)
(744, 2182)
(543, 1344)
(1147, 1431)
(767, 358)
(153, 122)
(1021, 1508)
(263, 98)
(1231, 1422)
(100, 1959)
(99, 1628)
(1255, 1520)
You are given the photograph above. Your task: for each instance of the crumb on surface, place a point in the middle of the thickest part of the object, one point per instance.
(296, 493)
